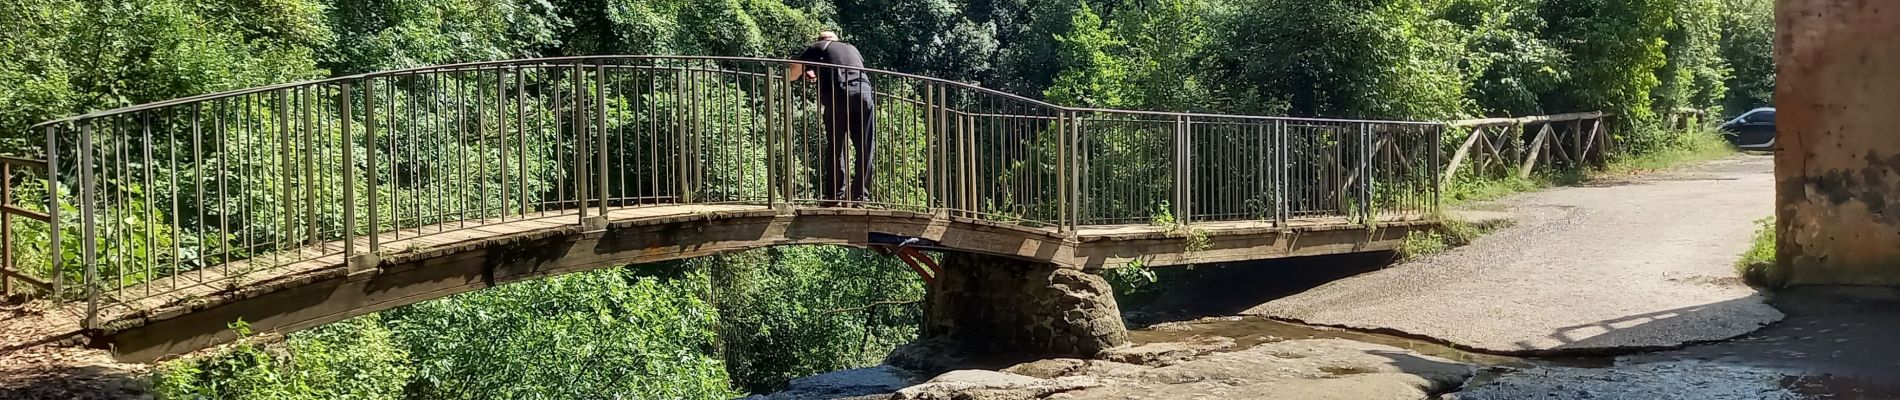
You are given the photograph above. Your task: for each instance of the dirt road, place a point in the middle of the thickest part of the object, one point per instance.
(1640, 263)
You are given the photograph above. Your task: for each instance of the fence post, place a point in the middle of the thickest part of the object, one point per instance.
(1182, 164)
(1280, 178)
(348, 163)
(1063, 173)
(56, 248)
(369, 170)
(87, 243)
(789, 182)
(599, 222)
(581, 144)
(1438, 144)
(1080, 171)
(1365, 173)
(6, 232)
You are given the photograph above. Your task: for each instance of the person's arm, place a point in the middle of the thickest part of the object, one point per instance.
(793, 70)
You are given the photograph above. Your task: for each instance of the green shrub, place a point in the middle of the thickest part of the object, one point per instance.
(1757, 263)
(350, 359)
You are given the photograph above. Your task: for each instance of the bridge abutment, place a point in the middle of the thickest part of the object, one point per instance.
(987, 309)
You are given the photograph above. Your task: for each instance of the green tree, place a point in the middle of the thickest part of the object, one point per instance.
(1163, 44)
(930, 37)
(1615, 48)
(1748, 44)
(594, 334)
(1337, 58)
(795, 311)
(1694, 75)
(375, 35)
(1510, 68)
(1093, 77)
(352, 359)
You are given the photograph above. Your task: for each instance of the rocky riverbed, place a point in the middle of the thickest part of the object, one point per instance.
(1259, 358)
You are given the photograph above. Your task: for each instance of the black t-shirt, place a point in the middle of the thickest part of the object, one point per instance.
(835, 52)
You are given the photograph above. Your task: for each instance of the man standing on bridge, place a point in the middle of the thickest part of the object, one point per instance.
(846, 96)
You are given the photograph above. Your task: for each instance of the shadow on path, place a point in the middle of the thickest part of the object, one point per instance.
(1228, 289)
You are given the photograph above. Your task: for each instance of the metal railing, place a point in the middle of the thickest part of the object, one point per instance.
(199, 192)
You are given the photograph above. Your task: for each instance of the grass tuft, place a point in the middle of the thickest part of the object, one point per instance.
(1451, 233)
(1759, 260)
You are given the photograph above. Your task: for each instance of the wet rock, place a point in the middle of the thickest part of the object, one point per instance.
(1049, 368)
(876, 382)
(1063, 367)
(1297, 369)
(1685, 380)
(990, 385)
(1168, 353)
(935, 354)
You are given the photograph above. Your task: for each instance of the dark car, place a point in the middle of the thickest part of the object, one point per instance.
(1753, 130)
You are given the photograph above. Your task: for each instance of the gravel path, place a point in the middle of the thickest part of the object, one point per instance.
(1643, 262)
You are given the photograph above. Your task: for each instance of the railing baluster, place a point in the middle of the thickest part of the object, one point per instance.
(348, 164)
(371, 173)
(56, 250)
(600, 133)
(88, 242)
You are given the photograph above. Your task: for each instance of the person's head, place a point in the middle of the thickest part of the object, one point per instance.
(827, 35)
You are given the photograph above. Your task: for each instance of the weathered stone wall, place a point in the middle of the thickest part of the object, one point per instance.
(999, 309)
(1838, 103)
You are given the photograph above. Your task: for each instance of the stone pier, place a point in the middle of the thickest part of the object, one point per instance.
(1837, 159)
(995, 310)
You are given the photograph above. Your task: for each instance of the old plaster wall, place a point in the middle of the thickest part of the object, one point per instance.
(1838, 101)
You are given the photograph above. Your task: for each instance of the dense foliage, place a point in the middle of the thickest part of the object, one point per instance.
(709, 328)
(746, 322)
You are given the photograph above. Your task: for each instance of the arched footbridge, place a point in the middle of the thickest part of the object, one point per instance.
(294, 205)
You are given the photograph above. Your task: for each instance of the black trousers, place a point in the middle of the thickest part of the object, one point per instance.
(849, 117)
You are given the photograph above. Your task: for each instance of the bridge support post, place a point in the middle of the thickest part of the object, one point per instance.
(363, 262)
(987, 309)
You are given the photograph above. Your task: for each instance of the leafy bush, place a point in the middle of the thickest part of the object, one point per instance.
(1758, 263)
(352, 359)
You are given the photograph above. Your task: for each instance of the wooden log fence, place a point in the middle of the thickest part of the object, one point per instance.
(1558, 140)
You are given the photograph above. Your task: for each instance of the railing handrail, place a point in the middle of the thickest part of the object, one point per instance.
(506, 63)
(1245, 116)
(559, 61)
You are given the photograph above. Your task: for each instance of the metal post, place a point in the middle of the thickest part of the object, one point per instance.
(967, 175)
(600, 144)
(788, 142)
(87, 242)
(580, 141)
(55, 250)
(933, 189)
(1438, 142)
(771, 139)
(1078, 186)
(1179, 197)
(1365, 173)
(284, 165)
(1064, 202)
(348, 163)
(6, 231)
(369, 157)
(1280, 209)
(309, 169)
